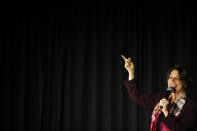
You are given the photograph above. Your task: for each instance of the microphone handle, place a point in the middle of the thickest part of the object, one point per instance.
(168, 92)
(161, 107)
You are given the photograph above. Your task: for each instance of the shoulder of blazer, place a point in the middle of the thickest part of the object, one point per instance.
(190, 105)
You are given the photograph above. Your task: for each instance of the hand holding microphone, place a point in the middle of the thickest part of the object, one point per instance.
(164, 102)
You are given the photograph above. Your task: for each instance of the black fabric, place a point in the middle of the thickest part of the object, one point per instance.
(62, 68)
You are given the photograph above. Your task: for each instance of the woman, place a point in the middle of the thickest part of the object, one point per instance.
(176, 113)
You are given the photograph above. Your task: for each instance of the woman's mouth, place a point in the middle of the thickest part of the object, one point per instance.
(173, 86)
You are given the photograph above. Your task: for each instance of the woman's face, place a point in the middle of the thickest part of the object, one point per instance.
(175, 81)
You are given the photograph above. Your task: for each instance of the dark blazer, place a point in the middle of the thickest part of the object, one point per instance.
(186, 120)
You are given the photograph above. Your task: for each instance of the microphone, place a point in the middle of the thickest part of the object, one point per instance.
(167, 94)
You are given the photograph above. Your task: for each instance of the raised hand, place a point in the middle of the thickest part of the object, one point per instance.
(129, 66)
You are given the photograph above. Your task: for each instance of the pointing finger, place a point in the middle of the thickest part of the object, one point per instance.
(124, 57)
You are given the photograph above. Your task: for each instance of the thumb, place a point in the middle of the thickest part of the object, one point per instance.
(129, 59)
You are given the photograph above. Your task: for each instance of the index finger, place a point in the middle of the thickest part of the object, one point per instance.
(124, 57)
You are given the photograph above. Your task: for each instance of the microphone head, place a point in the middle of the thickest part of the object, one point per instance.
(171, 89)
(168, 92)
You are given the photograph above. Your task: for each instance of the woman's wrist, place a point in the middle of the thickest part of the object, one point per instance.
(165, 112)
(131, 75)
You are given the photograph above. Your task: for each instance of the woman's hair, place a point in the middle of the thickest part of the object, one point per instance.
(184, 75)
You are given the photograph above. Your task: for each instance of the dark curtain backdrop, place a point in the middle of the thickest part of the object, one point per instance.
(62, 68)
